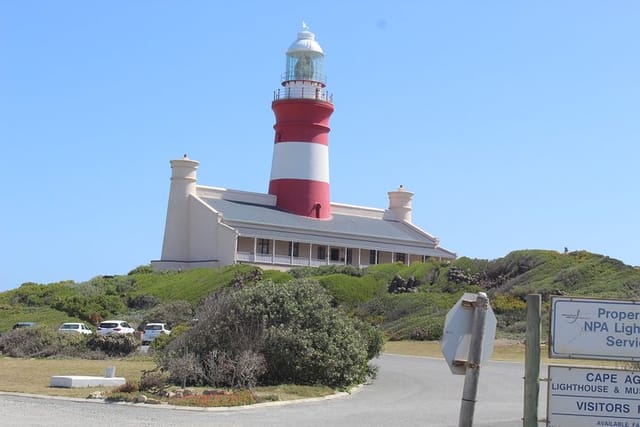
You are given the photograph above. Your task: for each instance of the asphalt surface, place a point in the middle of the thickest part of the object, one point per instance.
(409, 391)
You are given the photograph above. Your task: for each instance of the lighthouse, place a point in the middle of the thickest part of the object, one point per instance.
(296, 223)
(302, 108)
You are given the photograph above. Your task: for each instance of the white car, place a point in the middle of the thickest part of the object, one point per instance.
(75, 328)
(114, 327)
(153, 331)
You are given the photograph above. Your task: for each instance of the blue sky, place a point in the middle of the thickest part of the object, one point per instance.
(516, 124)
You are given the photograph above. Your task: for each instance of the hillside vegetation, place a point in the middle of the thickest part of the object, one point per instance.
(405, 302)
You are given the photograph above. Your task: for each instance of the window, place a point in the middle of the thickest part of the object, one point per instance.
(401, 257)
(335, 254)
(349, 256)
(373, 257)
(294, 248)
(322, 253)
(263, 246)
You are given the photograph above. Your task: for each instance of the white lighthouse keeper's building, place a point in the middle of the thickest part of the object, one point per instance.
(295, 224)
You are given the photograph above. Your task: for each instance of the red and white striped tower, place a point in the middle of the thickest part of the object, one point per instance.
(300, 166)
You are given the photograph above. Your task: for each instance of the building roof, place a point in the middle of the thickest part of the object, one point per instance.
(262, 221)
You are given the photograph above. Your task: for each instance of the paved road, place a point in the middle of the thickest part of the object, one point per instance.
(409, 391)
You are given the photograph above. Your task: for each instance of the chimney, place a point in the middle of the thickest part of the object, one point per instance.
(399, 205)
(177, 226)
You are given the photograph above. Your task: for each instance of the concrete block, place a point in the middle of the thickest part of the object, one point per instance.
(77, 381)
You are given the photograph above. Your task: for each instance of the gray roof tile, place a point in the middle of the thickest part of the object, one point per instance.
(270, 222)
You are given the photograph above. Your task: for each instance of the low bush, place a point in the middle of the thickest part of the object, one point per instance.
(240, 370)
(153, 381)
(290, 329)
(40, 341)
(142, 302)
(325, 270)
(36, 341)
(183, 366)
(172, 313)
(348, 290)
(87, 307)
(142, 269)
(510, 311)
(372, 335)
(72, 345)
(127, 387)
(115, 345)
(418, 327)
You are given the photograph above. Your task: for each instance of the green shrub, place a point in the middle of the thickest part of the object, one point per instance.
(153, 381)
(142, 302)
(88, 307)
(114, 344)
(373, 337)
(34, 294)
(418, 326)
(73, 345)
(293, 326)
(506, 304)
(142, 269)
(430, 330)
(172, 313)
(42, 341)
(241, 370)
(384, 272)
(35, 341)
(184, 367)
(349, 290)
(510, 312)
(277, 276)
(162, 341)
(325, 270)
(409, 315)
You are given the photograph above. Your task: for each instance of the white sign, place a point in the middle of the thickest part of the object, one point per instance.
(585, 397)
(587, 328)
(456, 338)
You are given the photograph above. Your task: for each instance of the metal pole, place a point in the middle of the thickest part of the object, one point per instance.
(472, 374)
(532, 362)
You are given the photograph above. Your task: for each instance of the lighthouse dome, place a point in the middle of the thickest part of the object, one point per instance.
(306, 43)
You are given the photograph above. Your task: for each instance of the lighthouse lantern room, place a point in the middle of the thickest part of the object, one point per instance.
(302, 107)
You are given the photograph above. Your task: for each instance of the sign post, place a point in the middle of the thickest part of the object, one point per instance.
(469, 332)
(532, 362)
(472, 375)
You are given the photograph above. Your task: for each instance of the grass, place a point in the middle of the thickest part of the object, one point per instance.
(34, 375)
(504, 351)
(292, 391)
